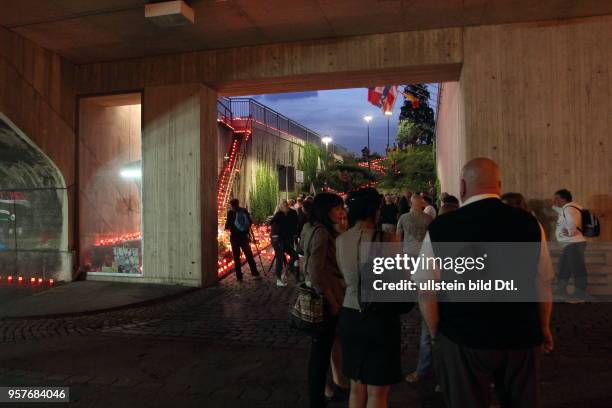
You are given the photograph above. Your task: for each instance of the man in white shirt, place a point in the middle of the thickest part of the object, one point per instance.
(569, 233)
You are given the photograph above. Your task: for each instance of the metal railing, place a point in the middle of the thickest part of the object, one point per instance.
(247, 107)
(224, 113)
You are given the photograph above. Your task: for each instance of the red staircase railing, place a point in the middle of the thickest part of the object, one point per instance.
(241, 133)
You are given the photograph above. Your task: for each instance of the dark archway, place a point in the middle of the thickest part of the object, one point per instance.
(33, 210)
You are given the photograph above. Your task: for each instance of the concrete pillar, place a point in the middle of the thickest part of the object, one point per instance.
(179, 147)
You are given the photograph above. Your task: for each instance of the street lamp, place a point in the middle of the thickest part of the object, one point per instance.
(327, 140)
(388, 115)
(368, 119)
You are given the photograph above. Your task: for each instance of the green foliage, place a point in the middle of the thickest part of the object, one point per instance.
(309, 164)
(408, 132)
(344, 177)
(291, 155)
(415, 165)
(264, 193)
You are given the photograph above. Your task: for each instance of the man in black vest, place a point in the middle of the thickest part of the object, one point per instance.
(475, 343)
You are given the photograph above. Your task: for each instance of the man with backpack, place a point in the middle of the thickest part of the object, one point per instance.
(573, 224)
(238, 221)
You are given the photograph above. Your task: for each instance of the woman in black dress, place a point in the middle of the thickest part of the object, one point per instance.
(371, 341)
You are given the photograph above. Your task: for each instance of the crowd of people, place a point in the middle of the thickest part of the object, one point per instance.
(471, 348)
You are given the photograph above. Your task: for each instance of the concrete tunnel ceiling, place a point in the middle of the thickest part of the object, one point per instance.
(88, 31)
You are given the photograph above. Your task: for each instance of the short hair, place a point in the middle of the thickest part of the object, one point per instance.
(363, 204)
(234, 202)
(307, 208)
(450, 199)
(427, 199)
(564, 194)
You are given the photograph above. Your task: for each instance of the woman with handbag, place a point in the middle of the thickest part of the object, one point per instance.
(371, 338)
(322, 272)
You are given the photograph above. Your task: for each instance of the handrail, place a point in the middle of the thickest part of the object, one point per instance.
(224, 113)
(248, 107)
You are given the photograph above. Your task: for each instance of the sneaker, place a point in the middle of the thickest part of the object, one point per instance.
(280, 283)
(256, 277)
(413, 378)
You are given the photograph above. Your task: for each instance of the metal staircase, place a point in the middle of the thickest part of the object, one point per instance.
(241, 133)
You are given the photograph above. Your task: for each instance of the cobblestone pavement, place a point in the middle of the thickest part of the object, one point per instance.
(230, 346)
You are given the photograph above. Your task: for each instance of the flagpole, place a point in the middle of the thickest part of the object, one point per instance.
(368, 145)
(368, 118)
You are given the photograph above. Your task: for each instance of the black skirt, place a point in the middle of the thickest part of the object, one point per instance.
(371, 347)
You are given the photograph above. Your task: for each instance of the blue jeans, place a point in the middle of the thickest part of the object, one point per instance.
(425, 354)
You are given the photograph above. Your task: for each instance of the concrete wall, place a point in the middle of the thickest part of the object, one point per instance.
(266, 146)
(37, 95)
(179, 216)
(450, 137)
(404, 57)
(537, 99)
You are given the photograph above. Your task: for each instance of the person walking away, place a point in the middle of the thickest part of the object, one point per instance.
(388, 215)
(569, 233)
(371, 341)
(479, 343)
(411, 229)
(301, 218)
(404, 202)
(284, 227)
(432, 191)
(238, 222)
(322, 273)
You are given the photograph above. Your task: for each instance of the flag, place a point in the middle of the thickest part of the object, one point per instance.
(383, 97)
(413, 99)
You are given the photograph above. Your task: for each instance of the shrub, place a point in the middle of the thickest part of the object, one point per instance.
(264, 193)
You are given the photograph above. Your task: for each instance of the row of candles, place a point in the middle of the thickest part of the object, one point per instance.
(134, 236)
(375, 165)
(32, 280)
(258, 247)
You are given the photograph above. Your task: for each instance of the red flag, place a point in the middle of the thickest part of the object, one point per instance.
(383, 97)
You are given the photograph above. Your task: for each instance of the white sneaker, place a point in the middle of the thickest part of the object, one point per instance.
(280, 283)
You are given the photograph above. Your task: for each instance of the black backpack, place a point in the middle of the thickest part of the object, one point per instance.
(241, 220)
(590, 223)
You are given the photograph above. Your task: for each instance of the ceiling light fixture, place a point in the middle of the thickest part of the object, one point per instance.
(170, 13)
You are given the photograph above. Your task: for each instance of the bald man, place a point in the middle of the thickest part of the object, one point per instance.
(475, 343)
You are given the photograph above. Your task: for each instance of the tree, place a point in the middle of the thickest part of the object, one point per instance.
(417, 123)
(415, 167)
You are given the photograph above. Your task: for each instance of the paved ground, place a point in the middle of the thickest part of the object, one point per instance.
(229, 346)
(80, 297)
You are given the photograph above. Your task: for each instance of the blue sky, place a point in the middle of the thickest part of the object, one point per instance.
(339, 113)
